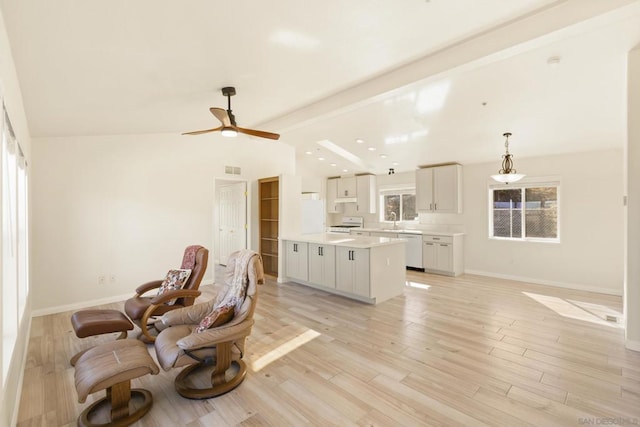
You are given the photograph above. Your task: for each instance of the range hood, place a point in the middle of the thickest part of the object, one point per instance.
(345, 200)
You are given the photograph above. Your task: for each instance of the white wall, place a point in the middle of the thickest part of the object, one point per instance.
(590, 255)
(11, 94)
(632, 215)
(128, 205)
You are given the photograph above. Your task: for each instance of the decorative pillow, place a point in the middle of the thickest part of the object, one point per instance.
(175, 280)
(218, 316)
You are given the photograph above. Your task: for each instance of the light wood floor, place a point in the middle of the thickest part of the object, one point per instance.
(451, 351)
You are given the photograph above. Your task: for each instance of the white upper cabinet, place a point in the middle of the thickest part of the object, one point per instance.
(366, 193)
(439, 189)
(424, 190)
(360, 189)
(347, 187)
(332, 194)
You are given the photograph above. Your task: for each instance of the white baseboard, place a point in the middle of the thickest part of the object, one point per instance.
(565, 285)
(80, 305)
(632, 345)
(91, 303)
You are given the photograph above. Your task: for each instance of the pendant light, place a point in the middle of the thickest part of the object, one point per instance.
(507, 174)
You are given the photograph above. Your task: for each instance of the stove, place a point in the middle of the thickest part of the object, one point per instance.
(348, 224)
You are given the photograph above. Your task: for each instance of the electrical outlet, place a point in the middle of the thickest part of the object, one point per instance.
(101, 279)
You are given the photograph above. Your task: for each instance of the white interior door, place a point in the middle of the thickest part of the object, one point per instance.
(232, 214)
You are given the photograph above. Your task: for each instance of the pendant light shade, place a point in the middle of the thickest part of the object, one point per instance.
(507, 174)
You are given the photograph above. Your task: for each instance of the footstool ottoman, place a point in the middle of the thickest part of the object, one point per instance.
(87, 323)
(112, 366)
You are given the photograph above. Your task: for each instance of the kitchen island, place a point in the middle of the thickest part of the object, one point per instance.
(365, 268)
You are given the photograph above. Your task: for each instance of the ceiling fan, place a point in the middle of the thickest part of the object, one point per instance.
(228, 120)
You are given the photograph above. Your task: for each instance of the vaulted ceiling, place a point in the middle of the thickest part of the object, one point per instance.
(363, 85)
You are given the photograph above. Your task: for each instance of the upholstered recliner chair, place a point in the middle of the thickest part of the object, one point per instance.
(209, 338)
(146, 305)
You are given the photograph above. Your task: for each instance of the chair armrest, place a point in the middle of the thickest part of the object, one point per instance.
(215, 336)
(178, 293)
(154, 284)
(187, 315)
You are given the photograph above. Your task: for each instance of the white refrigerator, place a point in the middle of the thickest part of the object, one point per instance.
(313, 214)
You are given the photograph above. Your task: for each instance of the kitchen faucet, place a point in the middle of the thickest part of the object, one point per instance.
(393, 217)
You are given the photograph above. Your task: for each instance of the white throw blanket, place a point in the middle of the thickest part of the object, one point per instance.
(236, 293)
(238, 288)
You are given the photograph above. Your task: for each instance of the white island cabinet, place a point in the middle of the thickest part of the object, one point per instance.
(296, 260)
(368, 269)
(352, 270)
(322, 265)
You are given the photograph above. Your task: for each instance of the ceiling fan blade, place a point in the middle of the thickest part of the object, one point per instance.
(198, 132)
(222, 115)
(260, 133)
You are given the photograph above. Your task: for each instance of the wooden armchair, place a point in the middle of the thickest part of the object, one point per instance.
(143, 309)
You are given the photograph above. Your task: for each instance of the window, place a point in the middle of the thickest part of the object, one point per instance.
(402, 202)
(14, 255)
(525, 212)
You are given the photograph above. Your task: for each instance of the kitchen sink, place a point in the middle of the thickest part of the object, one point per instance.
(400, 230)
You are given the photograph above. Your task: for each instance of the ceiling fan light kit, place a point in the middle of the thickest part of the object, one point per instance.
(229, 132)
(507, 174)
(229, 127)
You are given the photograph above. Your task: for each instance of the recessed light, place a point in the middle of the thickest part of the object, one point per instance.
(383, 156)
(359, 140)
(395, 163)
(345, 170)
(321, 158)
(308, 152)
(332, 164)
(372, 148)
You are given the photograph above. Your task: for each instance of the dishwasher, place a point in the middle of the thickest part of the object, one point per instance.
(413, 249)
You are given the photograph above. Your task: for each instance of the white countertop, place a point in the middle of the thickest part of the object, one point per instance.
(413, 231)
(344, 239)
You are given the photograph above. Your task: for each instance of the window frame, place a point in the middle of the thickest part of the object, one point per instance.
(396, 191)
(522, 185)
(14, 251)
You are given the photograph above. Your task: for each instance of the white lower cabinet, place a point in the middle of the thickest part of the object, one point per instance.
(352, 270)
(296, 266)
(322, 265)
(439, 256)
(442, 254)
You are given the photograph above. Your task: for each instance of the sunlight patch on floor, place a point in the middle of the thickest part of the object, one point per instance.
(417, 285)
(284, 349)
(579, 310)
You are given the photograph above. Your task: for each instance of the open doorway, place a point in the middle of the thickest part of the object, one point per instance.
(230, 227)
